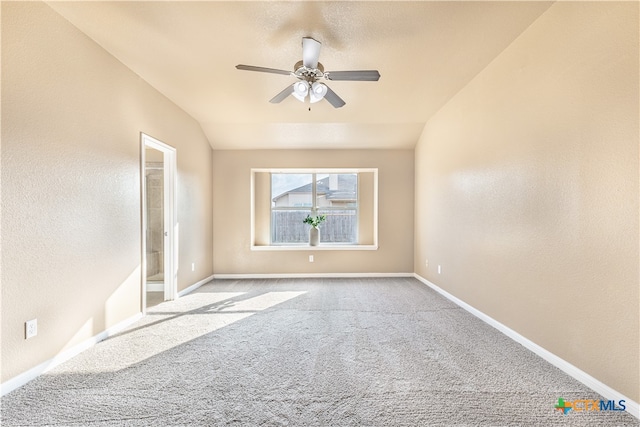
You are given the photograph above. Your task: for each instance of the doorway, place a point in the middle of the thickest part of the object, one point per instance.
(159, 223)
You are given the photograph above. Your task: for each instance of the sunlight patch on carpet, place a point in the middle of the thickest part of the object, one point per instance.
(201, 314)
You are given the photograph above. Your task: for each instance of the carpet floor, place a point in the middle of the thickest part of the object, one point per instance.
(310, 352)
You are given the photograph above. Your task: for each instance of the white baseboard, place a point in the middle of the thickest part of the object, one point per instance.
(308, 275)
(65, 355)
(155, 287)
(195, 286)
(599, 387)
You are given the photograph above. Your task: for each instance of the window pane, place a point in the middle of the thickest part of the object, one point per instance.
(291, 190)
(287, 226)
(341, 226)
(292, 200)
(337, 190)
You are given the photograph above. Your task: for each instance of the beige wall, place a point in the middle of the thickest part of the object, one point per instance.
(232, 213)
(527, 190)
(71, 238)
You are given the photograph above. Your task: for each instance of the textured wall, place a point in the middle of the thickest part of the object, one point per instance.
(527, 190)
(232, 216)
(71, 238)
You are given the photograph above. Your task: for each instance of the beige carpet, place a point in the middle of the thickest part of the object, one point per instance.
(334, 352)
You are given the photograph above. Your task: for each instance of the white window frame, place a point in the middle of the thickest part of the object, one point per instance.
(323, 246)
(314, 208)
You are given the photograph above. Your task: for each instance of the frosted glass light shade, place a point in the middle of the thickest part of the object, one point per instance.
(300, 90)
(318, 91)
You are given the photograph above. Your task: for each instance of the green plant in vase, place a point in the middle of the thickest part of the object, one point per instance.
(315, 221)
(314, 231)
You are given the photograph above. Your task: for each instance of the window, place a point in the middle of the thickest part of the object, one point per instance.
(282, 198)
(295, 195)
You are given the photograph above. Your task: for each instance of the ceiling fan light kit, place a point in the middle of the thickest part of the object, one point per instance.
(308, 72)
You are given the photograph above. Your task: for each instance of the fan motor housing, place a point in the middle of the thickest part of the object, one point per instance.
(309, 74)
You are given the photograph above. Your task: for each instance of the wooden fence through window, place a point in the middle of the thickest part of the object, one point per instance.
(340, 226)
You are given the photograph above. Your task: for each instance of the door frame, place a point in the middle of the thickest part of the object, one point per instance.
(170, 186)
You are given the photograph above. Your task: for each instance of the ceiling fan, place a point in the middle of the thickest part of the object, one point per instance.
(308, 72)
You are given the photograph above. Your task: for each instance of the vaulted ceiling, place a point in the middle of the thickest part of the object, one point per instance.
(425, 52)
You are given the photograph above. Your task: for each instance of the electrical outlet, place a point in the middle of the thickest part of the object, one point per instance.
(193, 266)
(30, 328)
(310, 258)
(426, 263)
(439, 270)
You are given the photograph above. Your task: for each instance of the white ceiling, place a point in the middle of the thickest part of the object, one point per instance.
(425, 52)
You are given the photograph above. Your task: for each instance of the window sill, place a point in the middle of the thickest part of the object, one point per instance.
(321, 247)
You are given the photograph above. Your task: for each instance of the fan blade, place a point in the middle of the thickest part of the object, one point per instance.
(310, 52)
(333, 99)
(362, 75)
(282, 95)
(262, 69)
